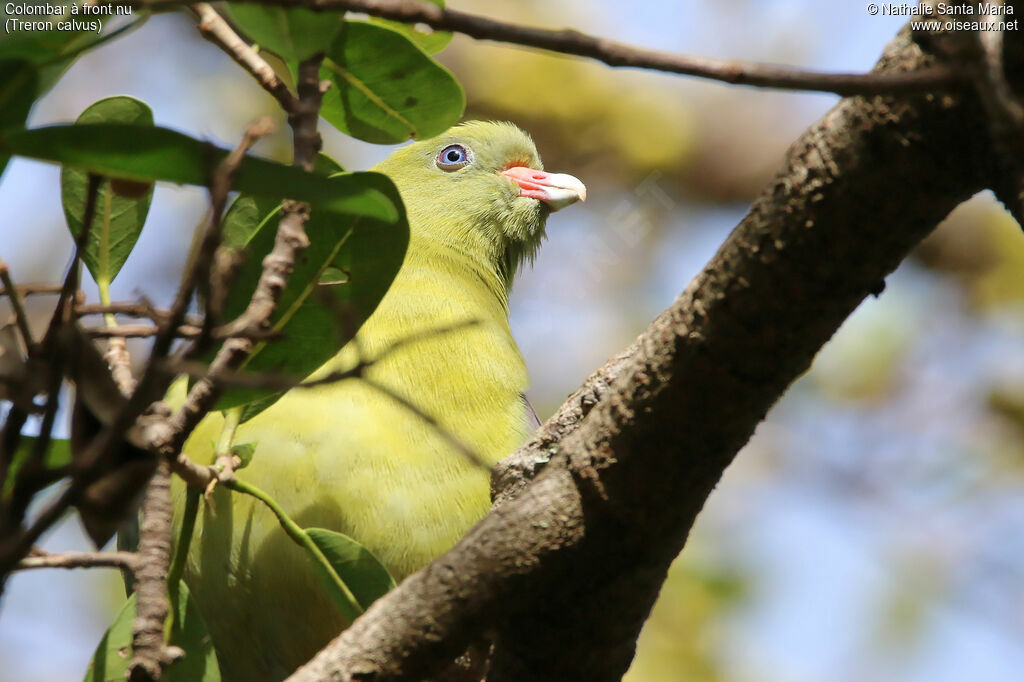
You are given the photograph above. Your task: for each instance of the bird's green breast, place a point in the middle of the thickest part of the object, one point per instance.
(345, 456)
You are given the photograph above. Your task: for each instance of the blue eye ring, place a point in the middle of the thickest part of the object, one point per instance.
(453, 157)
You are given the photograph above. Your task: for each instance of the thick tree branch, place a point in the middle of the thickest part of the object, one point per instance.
(567, 569)
(1005, 110)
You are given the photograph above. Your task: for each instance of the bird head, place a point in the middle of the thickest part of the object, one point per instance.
(480, 188)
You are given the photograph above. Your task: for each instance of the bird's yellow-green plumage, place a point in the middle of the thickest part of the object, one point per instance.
(346, 457)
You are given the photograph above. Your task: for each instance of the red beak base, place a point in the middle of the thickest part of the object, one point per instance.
(557, 190)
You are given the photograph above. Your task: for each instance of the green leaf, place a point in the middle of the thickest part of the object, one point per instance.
(254, 407)
(292, 34)
(325, 165)
(246, 212)
(121, 206)
(57, 455)
(243, 216)
(385, 89)
(18, 80)
(430, 42)
(53, 51)
(110, 662)
(151, 153)
(17, 91)
(365, 576)
(244, 451)
(316, 317)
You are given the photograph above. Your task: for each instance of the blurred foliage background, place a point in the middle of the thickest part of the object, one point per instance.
(870, 529)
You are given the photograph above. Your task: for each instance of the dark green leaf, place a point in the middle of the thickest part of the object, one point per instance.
(110, 662)
(247, 212)
(292, 34)
(325, 165)
(18, 79)
(385, 89)
(121, 206)
(57, 455)
(365, 576)
(17, 91)
(315, 317)
(53, 50)
(254, 407)
(144, 153)
(429, 41)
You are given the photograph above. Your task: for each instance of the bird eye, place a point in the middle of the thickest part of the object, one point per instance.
(453, 157)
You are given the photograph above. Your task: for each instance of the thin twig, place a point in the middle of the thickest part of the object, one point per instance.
(176, 571)
(219, 190)
(281, 381)
(20, 318)
(185, 331)
(194, 474)
(141, 309)
(66, 297)
(214, 28)
(614, 53)
(45, 352)
(463, 449)
(36, 289)
(138, 331)
(42, 559)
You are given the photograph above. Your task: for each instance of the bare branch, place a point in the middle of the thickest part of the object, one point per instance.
(141, 309)
(149, 653)
(185, 331)
(613, 53)
(41, 559)
(281, 381)
(68, 291)
(214, 28)
(38, 289)
(20, 318)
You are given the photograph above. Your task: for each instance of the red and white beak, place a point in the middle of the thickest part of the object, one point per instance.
(557, 190)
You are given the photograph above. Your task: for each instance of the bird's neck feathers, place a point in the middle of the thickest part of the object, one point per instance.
(460, 260)
(455, 240)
